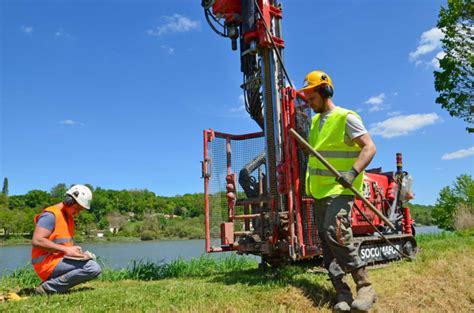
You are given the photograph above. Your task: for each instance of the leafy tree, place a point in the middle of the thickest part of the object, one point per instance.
(16, 202)
(17, 222)
(58, 192)
(455, 80)
(85, 222)
(5, 186)
(38, 199)
(451, 198)
(103, 223)
(3, 201)
(422, 214)
(112, 207)
(101, 203)
(180, 211)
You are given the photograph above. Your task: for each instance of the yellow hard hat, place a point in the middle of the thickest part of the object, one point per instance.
(316, 79)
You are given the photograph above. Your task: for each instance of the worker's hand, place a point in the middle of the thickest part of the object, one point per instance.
(75, 251)
(305, 150)
(347, 178)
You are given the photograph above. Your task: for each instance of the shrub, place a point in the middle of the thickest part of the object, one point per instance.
(148, 235)
(463, 217)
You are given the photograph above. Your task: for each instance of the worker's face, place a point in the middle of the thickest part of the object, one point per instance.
(314, 101)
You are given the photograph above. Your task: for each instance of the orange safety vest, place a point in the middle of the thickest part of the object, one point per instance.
(44, 261)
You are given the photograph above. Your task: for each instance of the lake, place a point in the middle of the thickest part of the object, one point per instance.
(119, 254)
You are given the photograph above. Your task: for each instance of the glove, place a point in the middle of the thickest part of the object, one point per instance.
(347, 178)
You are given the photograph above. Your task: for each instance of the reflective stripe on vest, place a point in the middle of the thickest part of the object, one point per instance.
(63, 240)
(39, 259)
(340, 154)
(44, 261)
(329, 141)
(320, 172)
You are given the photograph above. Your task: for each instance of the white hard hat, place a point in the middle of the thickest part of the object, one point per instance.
(82, 194)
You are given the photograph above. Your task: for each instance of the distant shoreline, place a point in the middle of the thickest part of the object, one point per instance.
(121, 239)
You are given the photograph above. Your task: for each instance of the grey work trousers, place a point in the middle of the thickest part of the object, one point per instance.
(69, 273)
(333, 218)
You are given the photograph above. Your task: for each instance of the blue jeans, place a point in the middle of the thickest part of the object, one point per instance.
(69, 273)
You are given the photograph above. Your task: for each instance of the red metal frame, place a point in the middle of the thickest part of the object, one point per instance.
(260, 34)
(294, 158)
(290, 186)
(407, 221)
(288, 178)
(287, 169)
(209, 135)
(229, 9)
(238, 137)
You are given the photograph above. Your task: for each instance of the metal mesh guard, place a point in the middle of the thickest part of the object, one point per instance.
(243, 151)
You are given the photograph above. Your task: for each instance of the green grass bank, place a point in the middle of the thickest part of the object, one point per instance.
(439, 280)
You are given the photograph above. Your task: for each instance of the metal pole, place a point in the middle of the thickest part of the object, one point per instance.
(337, 174)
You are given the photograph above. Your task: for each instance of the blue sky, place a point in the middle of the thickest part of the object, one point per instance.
(117, 93)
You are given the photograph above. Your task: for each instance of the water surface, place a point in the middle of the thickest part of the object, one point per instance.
(119, 254)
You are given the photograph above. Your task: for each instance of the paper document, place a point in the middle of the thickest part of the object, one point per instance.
(86, 256)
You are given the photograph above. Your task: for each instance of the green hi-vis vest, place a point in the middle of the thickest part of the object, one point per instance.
(329, 142)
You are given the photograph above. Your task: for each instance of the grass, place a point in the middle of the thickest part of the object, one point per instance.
(439, 280)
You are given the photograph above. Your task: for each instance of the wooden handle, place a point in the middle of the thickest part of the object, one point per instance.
(337, 175)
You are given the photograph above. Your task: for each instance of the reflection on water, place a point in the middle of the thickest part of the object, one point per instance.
(118, 255)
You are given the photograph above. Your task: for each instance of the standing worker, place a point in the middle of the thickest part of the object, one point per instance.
(339, 136)
(53, 243)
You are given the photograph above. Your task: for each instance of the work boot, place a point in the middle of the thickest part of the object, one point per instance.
(343, 294)
(41, 291)
(365, 292)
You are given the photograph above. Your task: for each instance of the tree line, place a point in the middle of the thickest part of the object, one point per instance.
(142, 213)
(109, 208)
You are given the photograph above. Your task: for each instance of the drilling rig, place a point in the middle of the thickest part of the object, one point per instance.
(255, 201)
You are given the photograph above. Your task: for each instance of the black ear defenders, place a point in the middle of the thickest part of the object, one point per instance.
(326, 91)
(69, 200)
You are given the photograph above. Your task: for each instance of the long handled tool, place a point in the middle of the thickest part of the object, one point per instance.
(337, 175)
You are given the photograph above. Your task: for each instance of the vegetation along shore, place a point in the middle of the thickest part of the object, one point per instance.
(237, 285)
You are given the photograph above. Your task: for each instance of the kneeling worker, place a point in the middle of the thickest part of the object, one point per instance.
(53, 245)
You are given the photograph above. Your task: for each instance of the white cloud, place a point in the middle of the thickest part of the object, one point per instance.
(376, 99)
(71, 122)
(26, 29)
(430, 41)
(458, 154)
(62, 33)
(168, 49)
(435, 61)
(403, 124)
(377, 103)
(394, 113)
(241, 107)
(377, 108)
(68, 122)
(173, 24)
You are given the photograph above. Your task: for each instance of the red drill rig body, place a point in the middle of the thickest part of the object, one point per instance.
(255, 197)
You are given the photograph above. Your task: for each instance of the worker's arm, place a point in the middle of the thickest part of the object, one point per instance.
(366, 154)
(40, 240)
